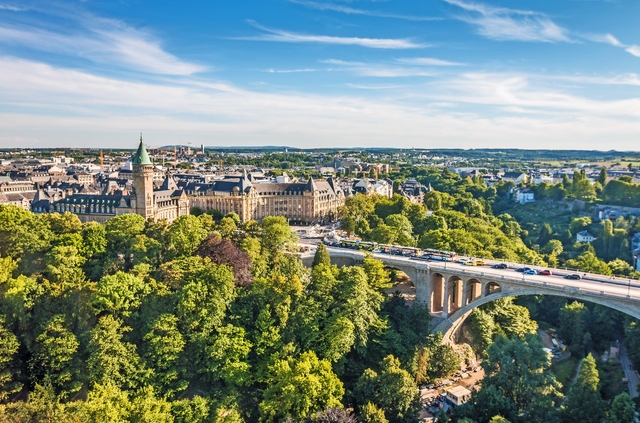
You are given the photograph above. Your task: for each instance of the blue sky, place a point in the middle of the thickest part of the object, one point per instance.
(313, 73)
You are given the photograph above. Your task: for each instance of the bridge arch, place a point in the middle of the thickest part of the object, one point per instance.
(455, 291)
(492, 287)
(436, 296)
(472, 290)
(449, 326)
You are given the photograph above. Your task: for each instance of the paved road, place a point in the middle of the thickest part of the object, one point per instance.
(594, 283)
(631, 374)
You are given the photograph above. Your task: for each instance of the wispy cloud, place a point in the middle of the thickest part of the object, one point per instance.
(610, 39)
(378, 70)
(428, 61)
(500, 23)
(354, 11)
(12, 8)
(101, 40)
(292, 37)
(290, 70)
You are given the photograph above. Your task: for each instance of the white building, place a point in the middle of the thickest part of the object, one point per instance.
(522, 195)
(457, 395)
(584, 236)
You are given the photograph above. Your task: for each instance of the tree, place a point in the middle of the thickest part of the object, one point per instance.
(602, 177)
(54, 360)
(185, 235)
(519, 370)
(377, 275)
(162, 348)
(545, 234)
(147, 408)
(120, 294)
(121, 231)
(299, 387)
(392, 390)
(622, 410)
(370, 413)
(22, 232)
(585, 405)
(8, 362)
(573, 321)
(222, 251)
(321, 256)
(111, 359)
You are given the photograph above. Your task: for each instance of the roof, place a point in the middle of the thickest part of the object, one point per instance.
(141, 157)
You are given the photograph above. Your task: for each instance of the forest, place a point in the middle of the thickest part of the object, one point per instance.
(199, 321)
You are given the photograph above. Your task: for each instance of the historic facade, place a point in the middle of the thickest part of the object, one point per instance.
(168, 202)
(305, 203)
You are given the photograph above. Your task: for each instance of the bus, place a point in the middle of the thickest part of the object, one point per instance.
(400, 250)
(366, 246)
(349, 243)
(431, 254)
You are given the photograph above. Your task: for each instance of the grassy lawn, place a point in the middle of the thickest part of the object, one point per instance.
(564, 372)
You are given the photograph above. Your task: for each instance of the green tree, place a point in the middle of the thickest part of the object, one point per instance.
(9, 346)
(622, 410)
(54, 360)
(120, 294)
(369, 413)
(602, 177)
(321, 256)
(299, 387)
(162, 347)
(584, 404)
(573, 322)
(111, 359)
(185, 235)
(22, 232)
(377, 275)
(392, 390)
(147, 408)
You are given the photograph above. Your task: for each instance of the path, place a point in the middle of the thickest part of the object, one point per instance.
(630, 373)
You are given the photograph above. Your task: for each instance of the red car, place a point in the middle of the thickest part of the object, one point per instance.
(545, 272)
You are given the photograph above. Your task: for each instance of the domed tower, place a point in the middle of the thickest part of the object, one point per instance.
(142, 201)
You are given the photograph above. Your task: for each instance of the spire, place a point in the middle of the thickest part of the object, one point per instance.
(141, 157)
(311, 185)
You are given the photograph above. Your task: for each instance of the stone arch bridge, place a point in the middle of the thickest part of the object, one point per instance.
(452, 290)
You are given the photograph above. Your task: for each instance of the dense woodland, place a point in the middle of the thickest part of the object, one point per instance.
(198, 321)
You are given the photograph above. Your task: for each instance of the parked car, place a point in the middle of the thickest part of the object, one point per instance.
(500, 266)
(545, 273)
(573, 276)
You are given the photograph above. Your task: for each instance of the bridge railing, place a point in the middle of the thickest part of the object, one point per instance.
(521, 280)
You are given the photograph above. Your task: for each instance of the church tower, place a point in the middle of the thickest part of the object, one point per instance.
(142, 201)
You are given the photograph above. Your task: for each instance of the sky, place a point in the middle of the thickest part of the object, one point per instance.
(558, 74)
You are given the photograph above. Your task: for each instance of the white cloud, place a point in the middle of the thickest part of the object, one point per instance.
(104, 41)
(610, 39)
(292, 37)
(428, 61)
(353, 11)
(12, 8)
(634, 49)
(290, 70)
(474, 109)
(500, 23)
(377, 69)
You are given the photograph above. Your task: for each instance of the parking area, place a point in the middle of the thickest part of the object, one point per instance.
(432, 395)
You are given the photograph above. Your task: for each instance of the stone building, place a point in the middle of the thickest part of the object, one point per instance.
(304, 203)
(168, 202)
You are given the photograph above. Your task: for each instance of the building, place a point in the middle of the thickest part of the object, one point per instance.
(413, 191)
(515, 177)
(523, 195)
(167, 202)
(305, 203)
(365, 186)
(585, 236)
(457, 395)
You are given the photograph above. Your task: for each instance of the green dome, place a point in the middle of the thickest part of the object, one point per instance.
(141, 157)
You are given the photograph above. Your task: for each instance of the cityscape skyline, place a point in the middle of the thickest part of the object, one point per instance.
(308, 74)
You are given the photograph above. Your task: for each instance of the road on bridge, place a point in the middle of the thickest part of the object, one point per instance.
(592, 283)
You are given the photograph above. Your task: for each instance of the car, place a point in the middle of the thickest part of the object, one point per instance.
(573, 276)
(462, 260)
(470, 263)
(500, 266)
(545, 272)
(530, 272)
(480, 263)
(521, 269)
